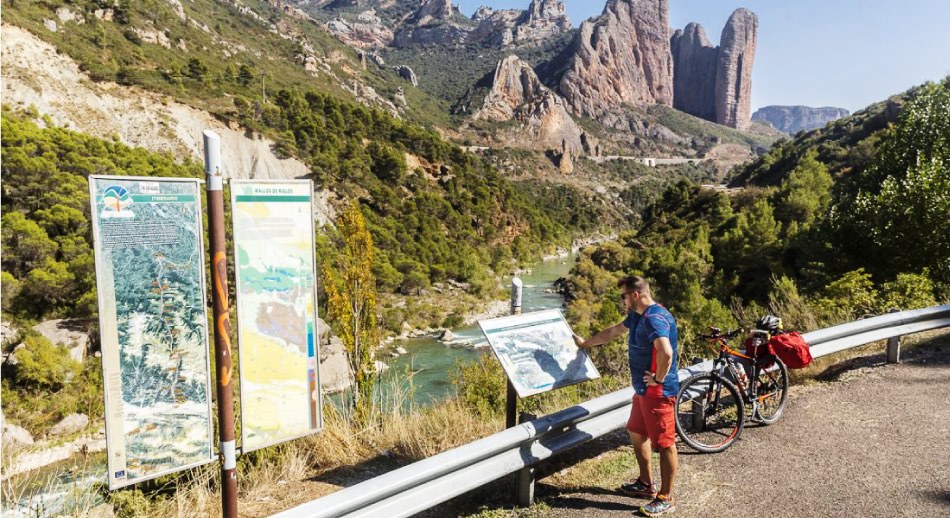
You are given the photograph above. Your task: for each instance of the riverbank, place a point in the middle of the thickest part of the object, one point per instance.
(45, 453)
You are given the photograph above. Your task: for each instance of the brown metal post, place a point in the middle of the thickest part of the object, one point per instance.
(222, 324)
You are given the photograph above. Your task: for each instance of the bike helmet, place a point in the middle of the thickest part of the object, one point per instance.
(769, 323)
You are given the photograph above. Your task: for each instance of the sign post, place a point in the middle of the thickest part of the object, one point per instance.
(511, 399)
(222, 323)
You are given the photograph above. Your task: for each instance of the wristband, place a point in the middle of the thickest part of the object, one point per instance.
(655, 380)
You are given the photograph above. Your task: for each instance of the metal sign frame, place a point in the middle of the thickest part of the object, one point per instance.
(108, 331)
(315, 381)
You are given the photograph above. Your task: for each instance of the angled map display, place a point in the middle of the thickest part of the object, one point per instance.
(155, 357)
(537, 351)
(276, 309)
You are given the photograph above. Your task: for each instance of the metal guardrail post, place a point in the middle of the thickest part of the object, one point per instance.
(526, 476)
(894, 346)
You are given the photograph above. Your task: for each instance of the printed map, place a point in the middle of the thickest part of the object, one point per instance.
(149, 269)
(537, 351)
(273, 243)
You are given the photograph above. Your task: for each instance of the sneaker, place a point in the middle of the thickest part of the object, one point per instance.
(657, 507)
(639, 489)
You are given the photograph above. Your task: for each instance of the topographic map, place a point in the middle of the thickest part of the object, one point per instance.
(275, 271)
(149, 271)
(537, 351)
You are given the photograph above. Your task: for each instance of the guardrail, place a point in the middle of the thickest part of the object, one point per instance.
(426, 483)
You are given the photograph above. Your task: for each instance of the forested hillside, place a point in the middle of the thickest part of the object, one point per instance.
(832, 225)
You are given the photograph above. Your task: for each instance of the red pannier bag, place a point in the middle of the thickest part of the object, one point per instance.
(757, 348)
(792, 349)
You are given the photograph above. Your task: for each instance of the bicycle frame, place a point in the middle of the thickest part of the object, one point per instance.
(746, 383)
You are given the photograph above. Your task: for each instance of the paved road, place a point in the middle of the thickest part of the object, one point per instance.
(874, 442)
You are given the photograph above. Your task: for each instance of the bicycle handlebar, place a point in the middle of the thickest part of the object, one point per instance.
(717, 334)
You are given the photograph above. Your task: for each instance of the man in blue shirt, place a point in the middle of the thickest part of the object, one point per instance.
(652, 346)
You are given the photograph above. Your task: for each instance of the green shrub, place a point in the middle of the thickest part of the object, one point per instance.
(42, 365)
(481, 385)
(908, 291)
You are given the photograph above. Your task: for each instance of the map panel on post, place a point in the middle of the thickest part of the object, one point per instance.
(275, 270)
(150, 268)
(537, 351)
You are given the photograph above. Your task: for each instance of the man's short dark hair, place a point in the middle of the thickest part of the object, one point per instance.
(635, 283)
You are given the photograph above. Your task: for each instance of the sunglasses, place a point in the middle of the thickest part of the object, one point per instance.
(623, 295)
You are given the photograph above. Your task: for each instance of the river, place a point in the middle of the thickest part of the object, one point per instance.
(431, 361)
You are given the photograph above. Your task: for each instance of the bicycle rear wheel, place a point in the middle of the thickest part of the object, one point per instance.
(709, 413)
(771, 390)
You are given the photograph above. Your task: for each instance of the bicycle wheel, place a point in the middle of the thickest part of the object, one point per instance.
(709, 413)
(771, 390)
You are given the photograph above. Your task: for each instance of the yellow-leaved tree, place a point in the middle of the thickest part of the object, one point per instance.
(351, 304)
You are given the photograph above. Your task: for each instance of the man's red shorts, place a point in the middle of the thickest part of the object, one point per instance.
(653, 418)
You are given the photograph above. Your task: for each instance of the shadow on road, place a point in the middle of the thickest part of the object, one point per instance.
(925, 354)
(575, 499)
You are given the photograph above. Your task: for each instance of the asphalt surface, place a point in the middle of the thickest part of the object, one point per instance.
(872, 440)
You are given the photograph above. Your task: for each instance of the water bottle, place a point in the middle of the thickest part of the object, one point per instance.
(738, 373)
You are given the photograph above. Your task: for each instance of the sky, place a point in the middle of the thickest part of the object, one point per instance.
(841, 53)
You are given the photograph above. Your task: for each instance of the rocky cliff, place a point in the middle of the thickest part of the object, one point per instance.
(543, 19)
(694, 72)
(543, 121)
(715, 83)
(621, 57)
(367, 30)
(438, 22)
(792, 119)
(734, 76)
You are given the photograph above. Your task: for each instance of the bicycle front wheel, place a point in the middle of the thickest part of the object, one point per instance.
(709, 413)
(771, 390)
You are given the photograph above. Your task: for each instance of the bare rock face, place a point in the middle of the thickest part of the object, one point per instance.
(543, 19)
(408, 74)
(715, 83)
(334, 368)
(621, 57)
(368, 31)
(694, 72)
(72, 334)
(73, 423)
(518, 94)
(436, 22)
(734, 76)
(433, 11)
(792, 119)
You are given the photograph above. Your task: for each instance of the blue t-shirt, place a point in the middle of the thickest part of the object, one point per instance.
(655, 322)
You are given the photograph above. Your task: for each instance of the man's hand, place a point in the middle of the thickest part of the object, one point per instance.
(650, 379)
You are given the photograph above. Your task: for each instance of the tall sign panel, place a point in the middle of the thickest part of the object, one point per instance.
(275, 269)
(154, 329)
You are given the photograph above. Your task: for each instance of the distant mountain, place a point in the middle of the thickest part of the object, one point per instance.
(792, 119)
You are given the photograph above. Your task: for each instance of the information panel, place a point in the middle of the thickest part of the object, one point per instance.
(537, 351)
(276, 304)
(153, 326)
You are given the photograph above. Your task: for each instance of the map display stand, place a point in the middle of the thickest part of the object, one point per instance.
(275, 270)
(149, 256)
(537, 351)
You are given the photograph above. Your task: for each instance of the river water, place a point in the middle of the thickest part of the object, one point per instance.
(432, 362)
